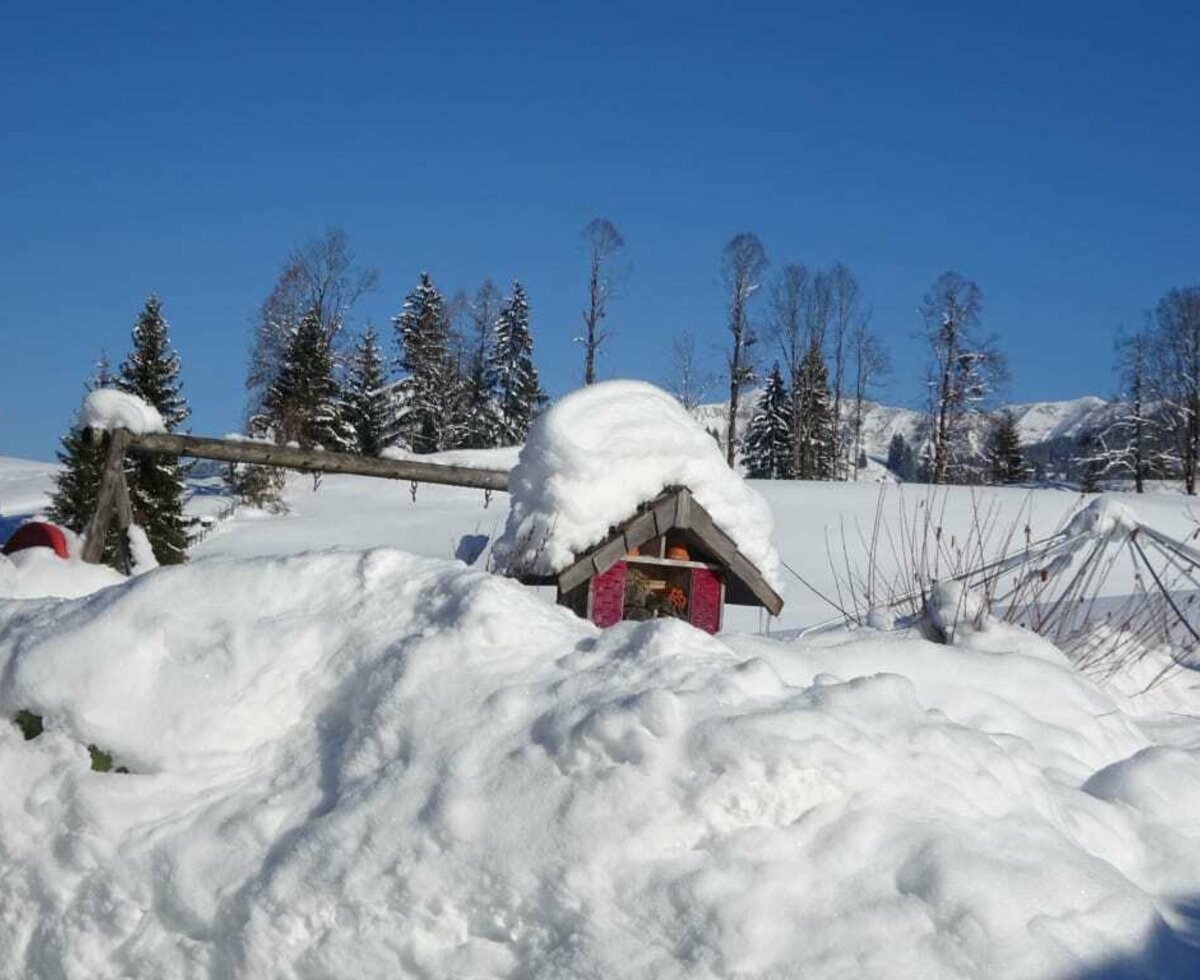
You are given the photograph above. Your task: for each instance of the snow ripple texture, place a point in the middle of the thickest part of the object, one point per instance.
(377, 765)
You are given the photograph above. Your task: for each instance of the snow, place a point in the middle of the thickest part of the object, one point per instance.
(39, 572)
(602, 451)
(504, 458)
(1037, 422)
(24, 488)
(375, 764)
(108, 408)
(141, 552)
(1104, 516)
(362, 762)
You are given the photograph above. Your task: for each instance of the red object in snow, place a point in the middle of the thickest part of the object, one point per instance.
(608, 596)
(705, 611)
(37, 534)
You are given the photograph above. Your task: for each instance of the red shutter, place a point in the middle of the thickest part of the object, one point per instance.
(608, 596)
(704, 603)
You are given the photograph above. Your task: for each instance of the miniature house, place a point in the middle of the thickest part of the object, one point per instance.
(667, 559)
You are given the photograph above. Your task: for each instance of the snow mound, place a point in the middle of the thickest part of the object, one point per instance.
(1103, 517)
(108, 409)
(602, 451)
(377, 765)
(37, 573)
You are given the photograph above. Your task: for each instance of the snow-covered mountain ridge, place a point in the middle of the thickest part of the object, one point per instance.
(1037, 422)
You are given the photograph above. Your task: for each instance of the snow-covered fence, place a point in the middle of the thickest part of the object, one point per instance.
(317, 460)
(113, 498)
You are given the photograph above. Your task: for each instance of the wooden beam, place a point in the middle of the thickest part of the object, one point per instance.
(112, 479)
(317, 460)
(738, 564)
(607, 555)
(655, 520)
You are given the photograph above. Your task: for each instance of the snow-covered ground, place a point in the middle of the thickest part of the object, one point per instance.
(24, 489)
(351, 755)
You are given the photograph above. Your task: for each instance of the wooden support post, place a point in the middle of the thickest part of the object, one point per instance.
(112, 486)
(123, 511)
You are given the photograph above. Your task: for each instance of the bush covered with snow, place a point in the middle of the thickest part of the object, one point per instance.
(372, 764)
(108, 408)
(603, 450)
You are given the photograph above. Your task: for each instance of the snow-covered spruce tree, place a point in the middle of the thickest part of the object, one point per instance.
(1005, 459)
(151, 372)
(963, 372)
(519, 395)
(77, 483)
(429, 394)
(767, 450)
(302, 404)
(1133, 439)
(480, 422)
(364, 399)
(816, 452)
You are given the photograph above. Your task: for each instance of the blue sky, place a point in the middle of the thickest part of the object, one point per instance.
(1049, 155)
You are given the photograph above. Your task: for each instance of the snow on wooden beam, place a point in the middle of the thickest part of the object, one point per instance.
(316, 460)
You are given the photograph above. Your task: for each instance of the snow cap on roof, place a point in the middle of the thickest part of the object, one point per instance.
(108, 408)
(599, 453)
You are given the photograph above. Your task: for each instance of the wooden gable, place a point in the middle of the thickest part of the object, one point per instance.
(674, 511)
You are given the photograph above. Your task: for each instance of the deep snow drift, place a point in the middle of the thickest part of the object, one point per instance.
(600, 452)
(375, 764)
(372, 764)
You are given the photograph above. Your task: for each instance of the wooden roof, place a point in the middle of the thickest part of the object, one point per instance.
(673, 510)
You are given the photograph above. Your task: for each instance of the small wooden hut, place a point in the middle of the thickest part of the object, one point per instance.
(668, 559)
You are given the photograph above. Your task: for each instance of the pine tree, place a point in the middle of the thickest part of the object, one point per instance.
(481, 423)
(901, 459)
(1089, 459)
(77, 483)
(156, 488)
(302, 404)
(1005, 459)
(768, 446)
(519, 395)
(365, 400)
(430, 393)
(815, 453)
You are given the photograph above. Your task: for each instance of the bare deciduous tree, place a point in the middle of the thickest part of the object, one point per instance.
(963, 370)
(742, 265)
(606, 270)
(689, 380)
(846, 316)
(1178, 354)
(319, 275)
(871, 363)
(787, 318)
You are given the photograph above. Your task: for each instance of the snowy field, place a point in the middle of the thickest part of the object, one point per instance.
(352, 755)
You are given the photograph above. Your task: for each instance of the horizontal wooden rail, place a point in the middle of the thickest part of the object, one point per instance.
(317, 460)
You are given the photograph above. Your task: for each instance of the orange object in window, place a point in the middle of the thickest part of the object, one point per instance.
(678, 552)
